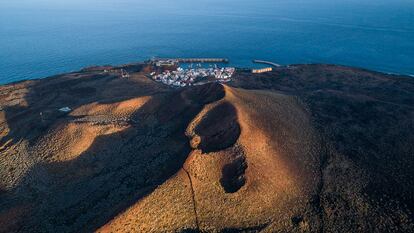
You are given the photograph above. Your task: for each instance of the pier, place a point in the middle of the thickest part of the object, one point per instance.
(267, 63)
(203, 60)
(191, 60)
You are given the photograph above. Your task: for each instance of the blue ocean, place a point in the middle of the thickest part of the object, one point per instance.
(40, 38)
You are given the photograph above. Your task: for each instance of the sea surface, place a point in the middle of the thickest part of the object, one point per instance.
(40, 38)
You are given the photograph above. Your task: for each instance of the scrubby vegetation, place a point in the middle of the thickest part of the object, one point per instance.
(305, 148)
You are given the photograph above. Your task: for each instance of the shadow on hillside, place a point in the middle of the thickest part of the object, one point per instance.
(367, 116)
(117, 170)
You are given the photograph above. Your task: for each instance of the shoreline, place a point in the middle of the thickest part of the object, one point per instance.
(238, 68)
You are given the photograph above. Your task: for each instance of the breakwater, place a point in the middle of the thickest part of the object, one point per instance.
(267, 63)
(202, 60)
(191, 60)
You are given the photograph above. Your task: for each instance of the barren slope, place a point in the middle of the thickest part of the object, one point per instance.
(246, 173)
(310, 148)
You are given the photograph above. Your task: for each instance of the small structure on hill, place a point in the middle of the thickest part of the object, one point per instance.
(124, 73)
(264, 70)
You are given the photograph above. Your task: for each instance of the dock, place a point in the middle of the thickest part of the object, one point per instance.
(191, 60)
(202, 60)
(267, 63)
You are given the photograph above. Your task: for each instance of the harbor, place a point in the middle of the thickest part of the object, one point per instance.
(173, 72)
(190, 60)
(188, 77)
(170, 71)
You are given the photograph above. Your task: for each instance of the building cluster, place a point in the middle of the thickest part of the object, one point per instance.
(264, 70)
(187, 77)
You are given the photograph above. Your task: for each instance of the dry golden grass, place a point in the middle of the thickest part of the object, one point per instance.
(14, 95)
(136, 156)
(282, 170)
(122, 108)
(279, 147)
(169, 208)
(68, 141)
